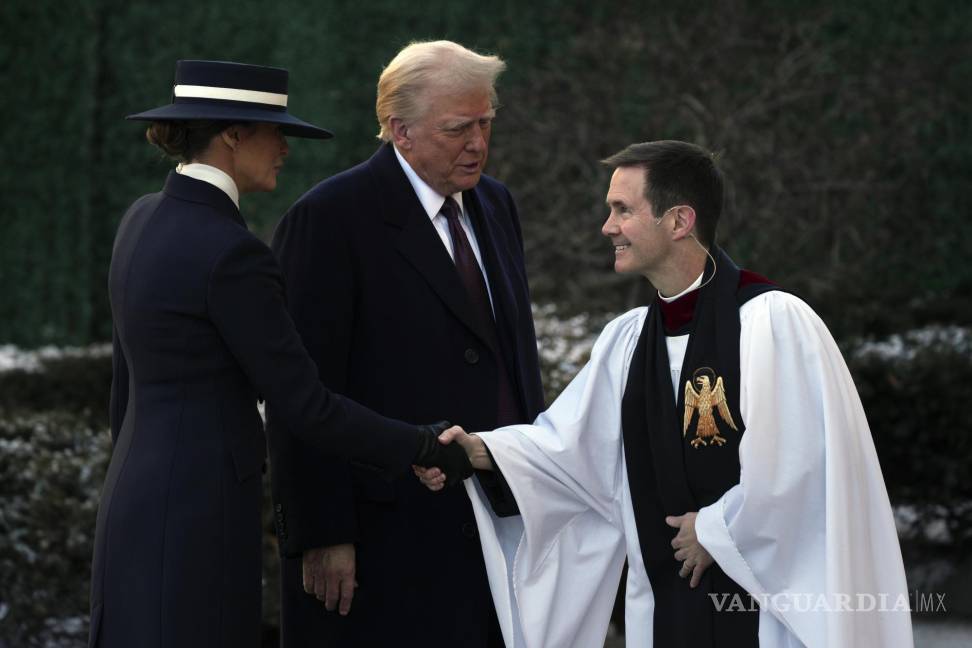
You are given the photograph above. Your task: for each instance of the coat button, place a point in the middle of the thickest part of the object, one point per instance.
(471, 356)
(469, 529)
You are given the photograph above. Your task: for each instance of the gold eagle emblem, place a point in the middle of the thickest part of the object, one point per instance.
(708, 397)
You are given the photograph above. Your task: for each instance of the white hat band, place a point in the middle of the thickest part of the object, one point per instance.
(230, 94)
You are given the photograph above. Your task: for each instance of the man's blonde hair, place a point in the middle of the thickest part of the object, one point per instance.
(424, 65)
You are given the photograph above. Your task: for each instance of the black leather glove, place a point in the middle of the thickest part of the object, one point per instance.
(450, 459)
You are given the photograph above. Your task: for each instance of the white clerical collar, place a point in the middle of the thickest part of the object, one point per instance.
(694, 286)
(431, 199)
(216, 177)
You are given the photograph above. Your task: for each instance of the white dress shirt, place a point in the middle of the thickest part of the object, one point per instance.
(216, 177)
(432, 201)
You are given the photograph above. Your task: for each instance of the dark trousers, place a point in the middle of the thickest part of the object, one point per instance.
(306, 624)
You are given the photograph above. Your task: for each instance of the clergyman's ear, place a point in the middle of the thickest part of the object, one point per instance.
(684, 221)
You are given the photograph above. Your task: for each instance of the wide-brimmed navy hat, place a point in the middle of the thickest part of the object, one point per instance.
(221, 90)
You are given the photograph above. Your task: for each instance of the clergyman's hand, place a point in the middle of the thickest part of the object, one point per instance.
(434, 478)
(328, 574)
(695, 559)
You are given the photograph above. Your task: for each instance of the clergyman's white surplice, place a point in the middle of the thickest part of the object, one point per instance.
(808, 530)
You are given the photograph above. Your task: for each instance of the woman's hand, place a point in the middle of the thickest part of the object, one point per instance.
(434, 479)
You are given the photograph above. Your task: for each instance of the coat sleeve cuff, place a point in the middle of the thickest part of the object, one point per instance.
(497, 490)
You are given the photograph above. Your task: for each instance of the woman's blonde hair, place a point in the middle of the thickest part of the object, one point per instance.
(403, 83)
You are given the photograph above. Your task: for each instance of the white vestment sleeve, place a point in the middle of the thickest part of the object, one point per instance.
(808, 530)
(554, 570)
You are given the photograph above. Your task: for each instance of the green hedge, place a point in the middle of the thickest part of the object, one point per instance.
(54, 453)
(844, 128)
(75, 386)
(915, 393)
(51, 470)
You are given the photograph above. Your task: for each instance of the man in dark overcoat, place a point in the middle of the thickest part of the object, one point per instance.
(406, 279)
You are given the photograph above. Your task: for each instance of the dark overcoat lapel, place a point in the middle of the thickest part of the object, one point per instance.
(494, 246)
(418, 241)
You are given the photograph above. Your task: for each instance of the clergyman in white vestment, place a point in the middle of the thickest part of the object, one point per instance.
(792, 542)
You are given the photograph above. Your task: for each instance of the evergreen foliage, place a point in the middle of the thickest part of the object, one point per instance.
(912, 389)
(52, 467)
(844, 130)
(54, 453)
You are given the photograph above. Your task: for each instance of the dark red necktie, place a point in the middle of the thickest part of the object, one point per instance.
(476, 291)
(467, 266)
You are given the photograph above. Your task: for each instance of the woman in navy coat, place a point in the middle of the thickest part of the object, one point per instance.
(200, 334)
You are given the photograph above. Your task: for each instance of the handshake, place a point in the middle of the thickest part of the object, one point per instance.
(447, 455)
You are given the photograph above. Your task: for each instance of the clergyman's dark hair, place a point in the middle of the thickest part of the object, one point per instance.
(678, 173)
(184, 141)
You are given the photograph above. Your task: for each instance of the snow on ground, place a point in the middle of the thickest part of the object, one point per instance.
(905, 346)
(905, 517)
(12, 357)
(565, 342)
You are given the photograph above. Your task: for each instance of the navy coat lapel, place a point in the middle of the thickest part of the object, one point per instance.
(494, 247)
(418, 241)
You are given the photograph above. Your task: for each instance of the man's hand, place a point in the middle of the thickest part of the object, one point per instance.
(329, 575)
(687, 548)
(434, 478)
